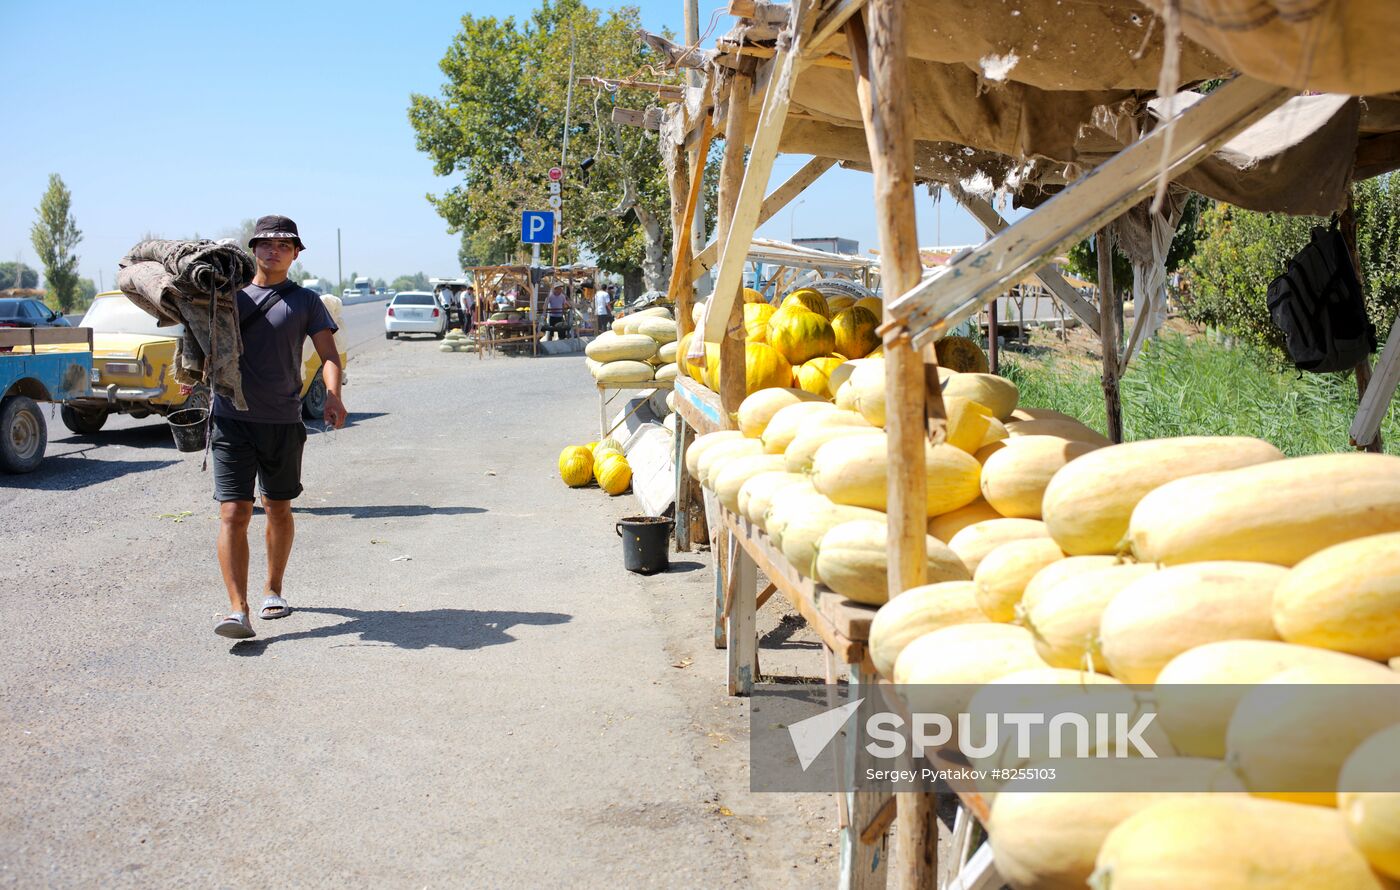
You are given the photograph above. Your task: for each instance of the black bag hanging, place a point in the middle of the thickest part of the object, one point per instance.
(1318, 305)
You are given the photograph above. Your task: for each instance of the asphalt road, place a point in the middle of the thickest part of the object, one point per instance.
(471, 693)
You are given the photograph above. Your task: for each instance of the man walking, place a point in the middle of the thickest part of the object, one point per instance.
(265, 442)
(602, 307)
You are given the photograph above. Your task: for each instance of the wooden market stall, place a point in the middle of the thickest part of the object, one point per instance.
(512, 324)
(1031, 96)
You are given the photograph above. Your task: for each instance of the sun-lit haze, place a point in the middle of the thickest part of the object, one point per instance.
(183, 119)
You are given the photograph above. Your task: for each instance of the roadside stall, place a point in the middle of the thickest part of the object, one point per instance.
(1026, 98)
(510, 301)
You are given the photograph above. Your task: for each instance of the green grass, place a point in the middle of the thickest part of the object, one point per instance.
(1180, 386)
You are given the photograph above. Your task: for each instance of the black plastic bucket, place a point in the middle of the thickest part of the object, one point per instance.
(646, 543)
(189, 427)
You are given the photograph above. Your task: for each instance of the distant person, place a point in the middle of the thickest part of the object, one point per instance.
(602, 307)
(503, 301)
(264, 443)
(467, 299)
(556, 309)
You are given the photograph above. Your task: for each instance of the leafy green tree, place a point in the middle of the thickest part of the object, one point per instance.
(87, 290)
(54, 235)
(416, 281)
(499, 122)
(17, 275)
(1240, 252)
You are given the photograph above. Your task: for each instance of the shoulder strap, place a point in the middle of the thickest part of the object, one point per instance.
(262, 310)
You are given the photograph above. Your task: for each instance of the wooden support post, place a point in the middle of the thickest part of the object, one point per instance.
(864, 864)
(993, 351)
(913, 398)
(682, 287)
(681, 246)
(741, 623)
(732, 382)
(1347, 225)
(1108, 334)
(684, 436)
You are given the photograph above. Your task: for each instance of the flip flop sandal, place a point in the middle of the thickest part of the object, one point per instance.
(274, 607)
(235, 627)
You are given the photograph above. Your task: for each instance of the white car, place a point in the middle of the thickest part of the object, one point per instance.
(414, 312)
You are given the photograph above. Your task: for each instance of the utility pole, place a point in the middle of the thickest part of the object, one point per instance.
(339, 269)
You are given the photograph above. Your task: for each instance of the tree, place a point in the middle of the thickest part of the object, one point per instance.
(54, 235)
(499, 122)
(416, 281)
(241, 232)
(87, 289)
(1084, 256)
(17, 275)
(1240, 252)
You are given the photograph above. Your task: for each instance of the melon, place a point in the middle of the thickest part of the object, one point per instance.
(1157, 618)
(753, 296)
(764, 367)
(854, 329)
(692, 370)
(1281, 511)
(789, 504)
(866, 392)
(941, 669)
(1224, 842)
(615, 475)
(802, 533)
(968, 423)
(842, 372)
(803, 448)
(975, 541)
(853, 560)
(732, 475)
(1087, 505)
(815, 375)
(1026, 412)
(1003, 574)
(617, 373)
(1055, 572)
(756, 495)
(621, 347)
(945, 525)
(961, 354)
(809, 299)
(782, 425)
(702, 443)
(1049, 839)
(1198, 690)
(1065, 429)
(1014, 479)
(576, 466)
(915, 612)
(1345, 598)
(800, 335)
(1065, 619)
(756, 317)
(714, 459)
(995, 392)
(874, 304)
(757, 409)
(1288, 737)
(662, 330)
(1372, 816)
(853, 470)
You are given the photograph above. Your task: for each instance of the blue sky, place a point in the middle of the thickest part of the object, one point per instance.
(180, 118)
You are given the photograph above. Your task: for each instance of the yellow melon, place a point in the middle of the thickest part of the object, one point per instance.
(866, 391)
(814, 376)
(756, 316)
(1157, 618)
(803, 532)
(841, 373)
(702, 443)
(962, 355)
(853, 560)
(1346, 598)
(995, 392)
(1369, 801)
(1003, 574)
(1014, 478)
(1087, 505)
(714, 459)
(789, 504)
(853, 470)
(945, 525)
(756, 495)
(732, 474)
(782, 426)
(1282, 511)
(615, 475)
(973, 542)
(942, 669)
(752, 296)
(758, 408)
(799, 334)
(918, 611)
(874, 304)
(811, 300)
(968, 423)
(802, 450)
(854, 329)
(1222, 842)
(576, 466)
(1065, 619)
(1065, 429)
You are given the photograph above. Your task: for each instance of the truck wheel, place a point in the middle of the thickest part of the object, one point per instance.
(84, 423)
(23, 435)
(199, 398)
(313, 404)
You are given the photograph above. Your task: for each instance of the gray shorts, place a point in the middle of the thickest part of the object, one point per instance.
(245, 451)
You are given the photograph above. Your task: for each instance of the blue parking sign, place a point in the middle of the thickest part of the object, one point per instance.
(537, 226)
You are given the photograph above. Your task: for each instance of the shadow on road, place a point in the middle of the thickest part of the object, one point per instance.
(384, 511)
(678, 568)
(70, 472)
(150, 435)
(443, 628)
(781, 637)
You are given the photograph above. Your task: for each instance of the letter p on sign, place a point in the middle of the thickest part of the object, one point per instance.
(537, 227)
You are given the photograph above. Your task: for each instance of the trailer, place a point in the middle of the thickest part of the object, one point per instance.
(28, 377)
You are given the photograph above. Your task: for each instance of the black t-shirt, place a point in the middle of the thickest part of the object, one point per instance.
(272, 347)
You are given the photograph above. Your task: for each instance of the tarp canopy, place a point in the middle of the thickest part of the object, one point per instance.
(766, 250)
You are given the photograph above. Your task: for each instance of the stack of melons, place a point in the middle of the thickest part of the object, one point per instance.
(602, 462)
(455, 341)
(641, 347)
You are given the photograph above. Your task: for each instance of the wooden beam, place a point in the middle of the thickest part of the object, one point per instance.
(983, 211)
(761, 155)
(1380, 390)
(776, 201)
(643, 118)
(832, 20)
(732, 351)
(733, 53)
(934, 306)
(760, 11)
(681, 288)
(1108, 334)
(679, 267)
(668, 91)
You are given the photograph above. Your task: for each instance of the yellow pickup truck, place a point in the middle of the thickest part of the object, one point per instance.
(133, 364)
